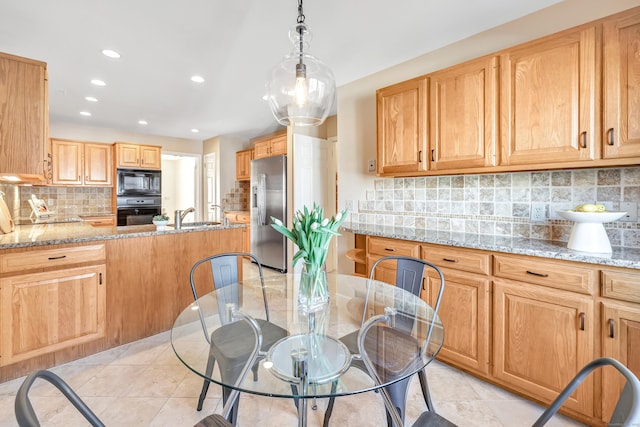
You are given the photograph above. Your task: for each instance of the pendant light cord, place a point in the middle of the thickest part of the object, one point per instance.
(300, 22)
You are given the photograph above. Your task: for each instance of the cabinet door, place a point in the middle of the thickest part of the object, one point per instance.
(279, 145)
(23, 115)
(463, 113)
(243, 165)
(128, 155)
(464, 311)
(402, 127)
(97, 164)
(621, 67)
(150, 157)
(549, 99)
(45, 312)
(261, 149)
(67, 162)
(620, 340)
(542, 338)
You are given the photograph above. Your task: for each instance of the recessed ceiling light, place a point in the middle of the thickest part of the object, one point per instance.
(111, 53)
(142, 122)
(197, 79)
(91, 99)
(85, 113)
(195, 130)
(98, 82)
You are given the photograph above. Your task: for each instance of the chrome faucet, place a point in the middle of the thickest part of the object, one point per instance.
(223, 218)
(179, 217)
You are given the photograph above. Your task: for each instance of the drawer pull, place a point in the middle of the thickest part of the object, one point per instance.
(582, 321)
(610, 139)
(51, 258)
(389, 249)
(611, 324)
(450, 260)
(537, 274)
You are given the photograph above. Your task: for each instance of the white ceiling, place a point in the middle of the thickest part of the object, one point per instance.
(231, 43)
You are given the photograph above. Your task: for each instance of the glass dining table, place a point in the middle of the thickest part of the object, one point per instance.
(310, 362)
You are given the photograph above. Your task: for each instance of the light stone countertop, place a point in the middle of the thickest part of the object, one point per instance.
(621, 257)
(76, 232)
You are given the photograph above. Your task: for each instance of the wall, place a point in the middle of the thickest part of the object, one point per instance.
(357, 104)
(225, 148)
(500, 204)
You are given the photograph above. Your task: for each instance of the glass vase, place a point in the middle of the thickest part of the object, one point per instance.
(313, 292)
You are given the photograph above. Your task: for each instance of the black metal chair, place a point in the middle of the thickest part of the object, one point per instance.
(26, 416)
(221, 272)
(410, 273)
(626, 412)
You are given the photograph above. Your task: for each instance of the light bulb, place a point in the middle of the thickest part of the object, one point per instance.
(301, 89)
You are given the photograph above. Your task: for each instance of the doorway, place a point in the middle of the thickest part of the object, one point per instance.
(181, 188)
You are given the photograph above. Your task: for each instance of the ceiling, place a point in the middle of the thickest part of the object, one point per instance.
(231, 43)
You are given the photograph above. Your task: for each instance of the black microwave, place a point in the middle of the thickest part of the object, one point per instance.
(133, 182)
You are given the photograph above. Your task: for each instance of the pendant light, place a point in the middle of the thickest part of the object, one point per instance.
(301, 89)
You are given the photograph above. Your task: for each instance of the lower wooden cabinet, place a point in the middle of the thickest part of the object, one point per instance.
(242, 218)
(100, 220)
(45, 312)
(465, 313)
(542, 337)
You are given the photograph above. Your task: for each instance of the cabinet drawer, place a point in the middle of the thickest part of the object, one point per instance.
(22, 261)
(100, 221)
(243, 218)
(620, 285)
(387, 247)
(555, 274)
(457, 259)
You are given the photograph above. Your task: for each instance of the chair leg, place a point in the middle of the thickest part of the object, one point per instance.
(205, 386)
(327, 413)
(254, 369)
(424, 385)
(398, 394)
(233, 416)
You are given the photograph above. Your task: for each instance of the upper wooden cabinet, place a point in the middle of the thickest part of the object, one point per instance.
(271, 145)
(23, 118)
(243, 165)
(402, 127)
(621, 84)
(134, 156)
(80, 163)
(549, 100)
(462, 115)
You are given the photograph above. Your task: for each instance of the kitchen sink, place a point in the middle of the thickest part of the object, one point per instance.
(202, 224)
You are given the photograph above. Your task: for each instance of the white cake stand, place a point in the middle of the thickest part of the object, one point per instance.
(588, 233)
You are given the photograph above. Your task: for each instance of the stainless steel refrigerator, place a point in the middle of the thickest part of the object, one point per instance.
(269, 199)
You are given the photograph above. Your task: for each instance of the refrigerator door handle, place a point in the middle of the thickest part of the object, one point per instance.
(261, 199)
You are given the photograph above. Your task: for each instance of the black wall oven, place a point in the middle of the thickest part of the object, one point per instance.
(138, 210)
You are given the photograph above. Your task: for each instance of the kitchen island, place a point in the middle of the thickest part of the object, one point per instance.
(68, 290)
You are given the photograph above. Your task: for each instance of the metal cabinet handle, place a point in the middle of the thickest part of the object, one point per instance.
(389, 249)
(537, 274)
(449, 260)
(100, 278)
(582, 315)
(611, 325)
(610, 136)
(583, 136)
(433, 155)
(420, 156)
(57, 257)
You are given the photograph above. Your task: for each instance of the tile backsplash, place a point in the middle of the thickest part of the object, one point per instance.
(237, 199)
(500, 204)
(68, 201)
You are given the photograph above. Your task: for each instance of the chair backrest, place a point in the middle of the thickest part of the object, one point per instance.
(26, 416)
(220, 272)
(410, 273)
(627, 411)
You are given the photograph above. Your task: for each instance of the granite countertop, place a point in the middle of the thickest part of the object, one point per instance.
(75, 232)
(621, 257)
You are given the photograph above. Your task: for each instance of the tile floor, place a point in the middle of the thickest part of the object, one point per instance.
(144, 384)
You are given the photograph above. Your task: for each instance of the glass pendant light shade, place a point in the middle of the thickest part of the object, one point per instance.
(301, 89)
